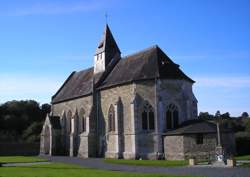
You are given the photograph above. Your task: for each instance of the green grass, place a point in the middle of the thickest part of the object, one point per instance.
(16, 159)
(155, 163)
(246, 165)
(64, 170)
(244, 157)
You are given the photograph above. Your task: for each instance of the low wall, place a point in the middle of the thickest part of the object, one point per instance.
(7, 149)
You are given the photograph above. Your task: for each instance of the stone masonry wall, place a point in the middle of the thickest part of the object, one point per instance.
(148, 142)
(88, 147)
(178, 92)
(122, 97)
(200, 151)
(173, 147)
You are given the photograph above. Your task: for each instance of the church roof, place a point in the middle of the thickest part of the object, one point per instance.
(196, 127)
(107, 42)
(77, 84)
(147, 64)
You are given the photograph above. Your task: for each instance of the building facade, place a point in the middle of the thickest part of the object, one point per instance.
(198, 140)
(121, 107)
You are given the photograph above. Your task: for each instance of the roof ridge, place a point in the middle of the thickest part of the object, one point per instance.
(86, 69)
(64, 83)
(141, 51)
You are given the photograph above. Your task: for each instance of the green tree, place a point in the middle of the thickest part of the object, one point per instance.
(20, 120)
(244, 115)
(225, 115)
(217, 114)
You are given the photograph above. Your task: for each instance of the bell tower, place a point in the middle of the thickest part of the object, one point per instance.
(106, 51)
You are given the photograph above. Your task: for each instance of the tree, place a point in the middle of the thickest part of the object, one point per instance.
(46, 108)
(247, 126)
(22, 120)
(203, 115)
(217, 114)
(244, 115)
(225, 115)
(32, 133)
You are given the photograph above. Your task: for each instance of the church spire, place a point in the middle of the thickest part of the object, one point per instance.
(107, 42)
(106, 51)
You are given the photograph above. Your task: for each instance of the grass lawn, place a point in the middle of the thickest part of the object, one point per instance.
(247, 165)
(155, 163)
(16, 159)
(244, 157)
(65, 170)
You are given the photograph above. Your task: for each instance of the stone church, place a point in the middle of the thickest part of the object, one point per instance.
(121, 107)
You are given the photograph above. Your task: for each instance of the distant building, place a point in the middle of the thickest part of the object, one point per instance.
(120, 108)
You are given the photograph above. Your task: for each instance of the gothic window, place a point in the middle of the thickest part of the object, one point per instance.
(63, 121)
(147, 115)
(175, 117)
(144, 120)
(172, 117)
(111, 118)
(169, 119)
(68, 122)
(82, 120)
(199, 138)
(83, 124)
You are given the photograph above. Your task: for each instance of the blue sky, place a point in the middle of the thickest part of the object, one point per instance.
(43, 41)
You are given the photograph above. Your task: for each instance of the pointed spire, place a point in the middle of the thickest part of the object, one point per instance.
(107, 52)
(107, 43)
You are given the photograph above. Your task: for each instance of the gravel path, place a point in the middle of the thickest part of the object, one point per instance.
(196, 171)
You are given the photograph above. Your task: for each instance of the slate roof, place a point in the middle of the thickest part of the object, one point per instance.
(196, 127)
(148, 64)
(77, 84)
(55, 122)
(107, 42)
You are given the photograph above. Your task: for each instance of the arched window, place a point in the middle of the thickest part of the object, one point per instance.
(68, 122)
(148, 120)
(111, 118)
(82, 125)
(172, 117)
(64, 121)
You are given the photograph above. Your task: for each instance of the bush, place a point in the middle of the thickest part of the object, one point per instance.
(32, 133)
(22, 120)
(8, 136)
(242, 140)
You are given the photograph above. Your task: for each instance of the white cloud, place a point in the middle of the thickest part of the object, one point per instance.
(230, 82)
(28, 87)
(48, 8)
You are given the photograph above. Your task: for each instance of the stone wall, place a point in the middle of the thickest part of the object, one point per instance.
(200, 151)
(173, 147)
(180, 147)
(118, 142)
(129, 140)
(178, 92)
(147, 141)
(72, 142)
(73, 105)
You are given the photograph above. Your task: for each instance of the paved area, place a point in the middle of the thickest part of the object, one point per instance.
(23, 164)
(196, 171)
